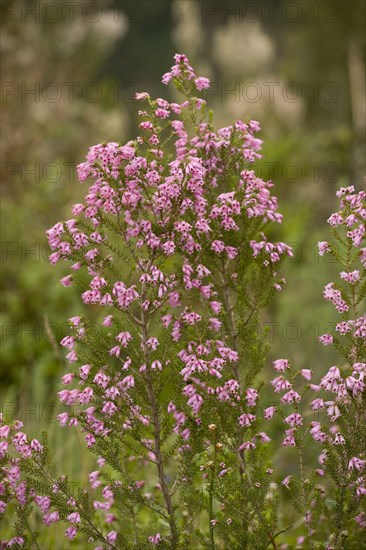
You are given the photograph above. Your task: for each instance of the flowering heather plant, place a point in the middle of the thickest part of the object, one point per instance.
(169, 247)
(329, 497)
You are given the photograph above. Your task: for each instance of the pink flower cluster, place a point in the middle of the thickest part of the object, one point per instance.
(340, 395)
(153, 209)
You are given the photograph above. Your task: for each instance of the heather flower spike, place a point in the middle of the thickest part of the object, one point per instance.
(338, 425)
(170, 248)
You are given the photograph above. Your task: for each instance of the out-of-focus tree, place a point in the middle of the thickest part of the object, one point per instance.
(54, 106)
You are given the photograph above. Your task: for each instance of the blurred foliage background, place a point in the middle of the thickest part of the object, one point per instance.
(69, 74)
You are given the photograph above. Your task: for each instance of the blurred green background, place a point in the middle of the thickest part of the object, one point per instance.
(69, 74)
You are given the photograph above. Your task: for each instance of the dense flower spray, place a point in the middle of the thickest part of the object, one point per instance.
(169, 248)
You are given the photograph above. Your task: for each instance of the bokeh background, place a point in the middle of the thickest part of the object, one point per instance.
(69, 74)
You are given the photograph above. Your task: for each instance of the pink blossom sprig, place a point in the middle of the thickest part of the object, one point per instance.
(170, 253)
(338, 406)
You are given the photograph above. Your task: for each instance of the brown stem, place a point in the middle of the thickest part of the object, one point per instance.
(211, 491)
(232, 322)
(156, 426)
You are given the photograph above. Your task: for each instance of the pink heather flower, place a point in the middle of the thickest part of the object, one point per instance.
(176, 108)
(75, 321)
(251, 396)
(335, 219)
(289, 440)
(168, 248)
(141, 96)
(286, 482)
(331, 380)
(246, 419)
(231, 252)
(3, 448)
(162, 113)
(280, 365)
(323, 247)
(167, 77)
(360, 326)
(127, 364)
(153, 343)
(344, 327)
(353, 277)
(146, 125)
(71, 532)
(112, 537)
(355, 385)
(84, 371)
(77, 209)
(54, 258)
(356, 464)
(339, 439)
(217, 246)
(109, 408)
(280, 384)
(269, 412)
(291, 397)
(66, 281)
(124, 338)
(107, 322)
(156, 365)
(155, 539)
(185, 434)
(344, 190)
(294, 419)
(326, 339)
(317, 433)
(63, 418)
(232, 356)
(361, 519)
(72, 356)
(15, 540)
(306, 373)
(68, 378)
(247, 446)
(317, 404)
(67, 342)
(216, 307)
(4, 431)
(74, 517)
(43, 502)
(90, 440)
(215, 324)
(202, 83)
(199, 103)
(93, 479)
(51, 518)
(116, 350)
(177, 125)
